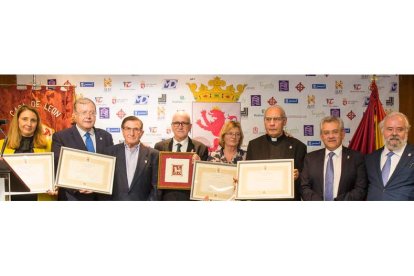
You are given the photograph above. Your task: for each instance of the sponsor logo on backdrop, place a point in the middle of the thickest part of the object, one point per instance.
(244, 112)
(297, 116)
(170, 84)
(162, 99)
(318, 114)
(357, 88)
(292, 130)
(121, 114)
(140, 112)
(351, 115)
(127, 84)
(311, 101)
(308, 130)
(330, 102)
(347, 130)
(366, 101)
(318, 85)
(339, 86)
(394, 87)
(336, 112)
(142, 99)
(255, 100)
(107, 84)
(117, 101)
(345, 101)
(389, 101)
(99, 100)
(51, 82)
(87, 84)
(113, 129)
(272, 101)
(314, 143)
(161, 112)
(266, 86)
(153, 130)
(255, 130)
(104, 113)
(365, 77)
(300, 87)
(144, 85)
(283, 85)
(168, 131)
(291, 101)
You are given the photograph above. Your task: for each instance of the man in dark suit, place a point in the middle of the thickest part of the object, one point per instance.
(349, 178)
(82, 136)
(276, 145)
(136, 169)
(391, 168)
(181, 126)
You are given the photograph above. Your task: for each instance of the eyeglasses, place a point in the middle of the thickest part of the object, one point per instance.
(237, 134)
(176, 124)
(86, 113)
(276, 119)
(135, 129)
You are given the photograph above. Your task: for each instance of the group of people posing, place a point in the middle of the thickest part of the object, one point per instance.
(332, 173)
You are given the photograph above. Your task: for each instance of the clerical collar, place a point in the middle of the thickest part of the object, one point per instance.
(274, 140)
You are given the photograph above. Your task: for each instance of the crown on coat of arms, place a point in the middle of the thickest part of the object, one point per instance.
(216, 93)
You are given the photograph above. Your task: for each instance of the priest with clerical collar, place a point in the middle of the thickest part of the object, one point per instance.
(276, 145)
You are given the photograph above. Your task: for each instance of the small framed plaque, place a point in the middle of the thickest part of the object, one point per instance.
(265, 179)
(175, 170)
(83, 170)
(214, 180)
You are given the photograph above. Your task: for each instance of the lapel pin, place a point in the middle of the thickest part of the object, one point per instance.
(290, 147)
(347, 157)
(409, 154)
(100, 138)
(145, 161)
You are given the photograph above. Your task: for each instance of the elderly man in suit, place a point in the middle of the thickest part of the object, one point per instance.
(275, 144)
(335, 172)
(82, 136)
(391, 168)
(181, 126)
(136, 169)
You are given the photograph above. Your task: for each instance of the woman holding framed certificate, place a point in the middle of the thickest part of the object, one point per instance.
(25, 135)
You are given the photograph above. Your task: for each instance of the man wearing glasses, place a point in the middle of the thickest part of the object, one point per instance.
(276, 145)
(82, 136)
(136, 170)
(181, 126)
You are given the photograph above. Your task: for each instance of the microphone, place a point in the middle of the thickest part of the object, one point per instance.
(3, 122)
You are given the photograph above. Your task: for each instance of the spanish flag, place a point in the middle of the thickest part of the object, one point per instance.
(368, 137)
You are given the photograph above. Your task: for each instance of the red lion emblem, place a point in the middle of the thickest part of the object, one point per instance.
(214, 125)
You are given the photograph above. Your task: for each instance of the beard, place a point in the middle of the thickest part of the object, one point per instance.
(394, 142)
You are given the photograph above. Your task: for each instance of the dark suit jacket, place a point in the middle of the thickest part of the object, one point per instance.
(193, 145)
(400, 185)
(144, 183)
(262, 148)
(71, 138)
(353, 181)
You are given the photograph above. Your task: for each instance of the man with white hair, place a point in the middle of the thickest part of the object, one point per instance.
(391, 168)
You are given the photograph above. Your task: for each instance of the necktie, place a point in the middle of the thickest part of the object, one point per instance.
(179, 147)
(329, 178)
(89, 143)
(386, 168)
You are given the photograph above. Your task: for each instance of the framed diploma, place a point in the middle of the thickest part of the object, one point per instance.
(175, 170)
(214, 180)
(265, 179)
(83, 170)
(33, 170)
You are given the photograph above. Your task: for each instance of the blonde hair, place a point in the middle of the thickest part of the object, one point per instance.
(15, 136)
(226, 128)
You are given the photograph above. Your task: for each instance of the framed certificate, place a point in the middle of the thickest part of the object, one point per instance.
(78, 169)
(265, 179)
(175, 170)
(214, 180)
(34, 170)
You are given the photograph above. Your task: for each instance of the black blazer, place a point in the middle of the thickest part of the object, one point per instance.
(193, 145)
(400, 185)
(353, 181)
(144, 183)
(71, 138)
